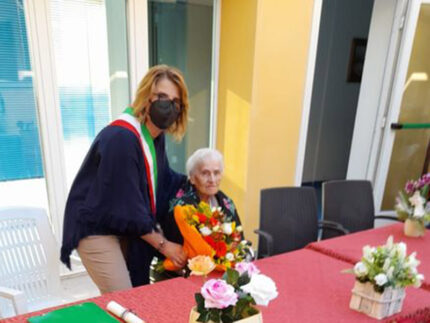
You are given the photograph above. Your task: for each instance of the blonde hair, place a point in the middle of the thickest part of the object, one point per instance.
(144, 91)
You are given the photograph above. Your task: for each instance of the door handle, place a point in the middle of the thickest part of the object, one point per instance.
(400, 126)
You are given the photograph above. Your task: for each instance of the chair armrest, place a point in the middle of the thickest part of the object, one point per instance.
(388, 217)
(269, 242)
(17, 297)
(331, 225)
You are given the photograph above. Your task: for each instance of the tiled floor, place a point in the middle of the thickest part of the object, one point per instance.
(78, 287)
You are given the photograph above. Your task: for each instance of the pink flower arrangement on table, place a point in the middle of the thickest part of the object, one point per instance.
(414, 201)
(233, 297)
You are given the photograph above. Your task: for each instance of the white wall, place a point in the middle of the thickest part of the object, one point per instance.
(334, 101)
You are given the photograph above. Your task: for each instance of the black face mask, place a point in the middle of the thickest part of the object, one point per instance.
(163, 113)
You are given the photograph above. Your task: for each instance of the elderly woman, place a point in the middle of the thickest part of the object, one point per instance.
(125, 184)
(204, 169)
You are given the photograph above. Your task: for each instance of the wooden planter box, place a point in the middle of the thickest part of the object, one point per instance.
(365, 299)
(257, 318)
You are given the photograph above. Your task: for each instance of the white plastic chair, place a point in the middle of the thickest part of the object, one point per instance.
(29, 269)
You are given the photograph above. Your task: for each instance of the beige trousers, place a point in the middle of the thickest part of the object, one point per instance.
(104, 260)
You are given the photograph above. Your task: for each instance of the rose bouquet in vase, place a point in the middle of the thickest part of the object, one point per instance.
(413, 206)
(233, 297)
(381, 277)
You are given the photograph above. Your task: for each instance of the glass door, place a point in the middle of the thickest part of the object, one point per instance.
(406, 145)
(181, 35)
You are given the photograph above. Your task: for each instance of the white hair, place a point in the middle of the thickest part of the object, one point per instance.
(200, 156)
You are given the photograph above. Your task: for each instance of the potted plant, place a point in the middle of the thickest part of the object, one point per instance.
(413, 206)
(233, 297)
(381, 278)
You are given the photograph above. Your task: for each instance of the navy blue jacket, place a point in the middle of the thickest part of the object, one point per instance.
(110, 196)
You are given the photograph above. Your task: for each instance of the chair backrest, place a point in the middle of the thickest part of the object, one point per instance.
(290, 215)
(350, 203)
(28, 253)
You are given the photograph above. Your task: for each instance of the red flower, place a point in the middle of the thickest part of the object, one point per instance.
(218, 236)
(220, 249)
(202, 218)
(210, 241)
(213, 221)
(236, 236)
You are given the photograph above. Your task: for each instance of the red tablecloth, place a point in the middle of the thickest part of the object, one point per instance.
(349, 248)
(165, 302)
(312, 289)
(310, 284)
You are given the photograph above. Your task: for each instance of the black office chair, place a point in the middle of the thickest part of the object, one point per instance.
(350, 203)
(289, 220)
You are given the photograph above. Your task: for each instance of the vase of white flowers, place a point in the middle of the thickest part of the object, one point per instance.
(413, 206)
(381, 278)
(232, 298)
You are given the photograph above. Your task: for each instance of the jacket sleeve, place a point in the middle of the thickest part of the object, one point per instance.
(117, 200)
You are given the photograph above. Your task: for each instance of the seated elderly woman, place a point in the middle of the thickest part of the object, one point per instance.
(204, 169)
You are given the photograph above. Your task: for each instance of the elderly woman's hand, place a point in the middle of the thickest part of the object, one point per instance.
(175, 253)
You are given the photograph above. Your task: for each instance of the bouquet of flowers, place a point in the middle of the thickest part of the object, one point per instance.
(413, 202)
(232, 297)
(388, 266)
(209, 232)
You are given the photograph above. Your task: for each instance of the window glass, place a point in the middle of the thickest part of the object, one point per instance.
(91, 70)
(180, 34)
(21, 168)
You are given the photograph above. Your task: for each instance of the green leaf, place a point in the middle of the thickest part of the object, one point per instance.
(402, 215)
(200, 302)
(232, 276)
(204, 317)
(252, 311)
(225, 276)
(215, 315)
(425, 191)
(243, 279)
(227, 317)
(240, 308)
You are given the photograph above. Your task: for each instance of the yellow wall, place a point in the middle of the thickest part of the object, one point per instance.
(263, 59)
(237, 45)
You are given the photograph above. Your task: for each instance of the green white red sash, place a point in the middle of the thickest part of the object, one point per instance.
(130, 122)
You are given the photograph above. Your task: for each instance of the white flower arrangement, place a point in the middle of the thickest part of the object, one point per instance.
(413, 202)
(388, 266)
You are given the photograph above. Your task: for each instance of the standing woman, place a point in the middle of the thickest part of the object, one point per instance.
(124, 183)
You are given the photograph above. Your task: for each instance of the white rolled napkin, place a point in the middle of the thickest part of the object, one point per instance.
(123, 313)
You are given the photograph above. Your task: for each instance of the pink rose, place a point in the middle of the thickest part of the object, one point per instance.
(218, 294)
(241, 267)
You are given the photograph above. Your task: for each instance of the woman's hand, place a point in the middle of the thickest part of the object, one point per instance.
(175, 253)
(171, 250)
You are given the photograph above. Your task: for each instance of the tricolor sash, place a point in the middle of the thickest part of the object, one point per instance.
(128, 121)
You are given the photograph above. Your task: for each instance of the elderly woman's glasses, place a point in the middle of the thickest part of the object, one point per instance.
(164, 97)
